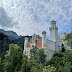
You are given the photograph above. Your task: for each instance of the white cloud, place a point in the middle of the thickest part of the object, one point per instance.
(34, 16)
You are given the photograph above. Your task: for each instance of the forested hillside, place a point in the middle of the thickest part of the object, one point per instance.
(11, 34)
(4, 43)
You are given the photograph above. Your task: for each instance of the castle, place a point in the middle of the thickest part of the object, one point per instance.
(49, 46)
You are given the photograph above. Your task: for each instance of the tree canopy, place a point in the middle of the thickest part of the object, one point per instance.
(13, 58)
(4, 43)
(68, 38)
(38, 55)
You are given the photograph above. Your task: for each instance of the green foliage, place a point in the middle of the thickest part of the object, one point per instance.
(59, 54)
(49, 69)
(2, 56)
(68, 38)
(24, 64)
(4, 43)
(4, 46)
(33, 53)
(1, 66)
(33, 66)
(68, 56)
(37, 68)
(57, 60)
(38, 55)
(13, 59)
(62, 61)
(67, 62)
(1, 61)
(29, 65)
(16, 61)
(41, 56)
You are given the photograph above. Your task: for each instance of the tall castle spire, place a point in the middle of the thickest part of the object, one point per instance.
(53, 31)
(54, 34)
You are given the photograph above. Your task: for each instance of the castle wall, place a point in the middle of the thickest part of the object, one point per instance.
(27, 51)
(49, 50)
(39, 43)
(28, 44)
(43, 39)
(49, 53)
(50, 45)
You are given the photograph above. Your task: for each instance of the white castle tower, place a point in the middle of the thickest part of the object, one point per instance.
(43, 39)
(49, 46)
(54, 35)
(25, 43)
(53, 31)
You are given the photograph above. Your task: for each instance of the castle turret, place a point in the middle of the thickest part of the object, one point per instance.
(25, 43)
(53, 31)
(43, 39)
(54, 35)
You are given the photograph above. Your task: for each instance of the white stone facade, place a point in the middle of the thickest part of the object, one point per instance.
(49, 46)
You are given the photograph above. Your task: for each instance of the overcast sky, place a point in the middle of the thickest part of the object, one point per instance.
(27, 17)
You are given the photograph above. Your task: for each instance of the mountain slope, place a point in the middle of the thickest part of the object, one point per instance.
(19, 40)
(4, 43)
(11, 34)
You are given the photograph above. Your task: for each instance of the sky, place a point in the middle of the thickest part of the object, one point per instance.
(27, 17)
